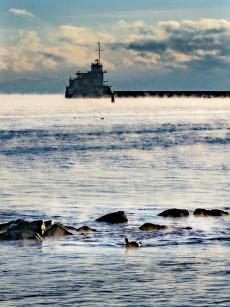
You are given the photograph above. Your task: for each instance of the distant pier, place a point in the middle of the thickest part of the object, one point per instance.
(205, 94)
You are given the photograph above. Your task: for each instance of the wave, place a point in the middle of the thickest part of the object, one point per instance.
(42, 141)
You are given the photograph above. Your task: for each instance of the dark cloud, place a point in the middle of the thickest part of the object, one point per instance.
(53, 57)
(186, 44)
(189, 43)
(208, 64)
(149, 45)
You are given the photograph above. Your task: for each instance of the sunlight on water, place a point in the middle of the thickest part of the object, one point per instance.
(74, 160)
(20, 105)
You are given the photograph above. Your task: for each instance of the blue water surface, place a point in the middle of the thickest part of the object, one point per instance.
(72, 161)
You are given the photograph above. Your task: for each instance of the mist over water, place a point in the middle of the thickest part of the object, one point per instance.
(74, 160)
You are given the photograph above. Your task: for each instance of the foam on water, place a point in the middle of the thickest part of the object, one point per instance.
(74, 160)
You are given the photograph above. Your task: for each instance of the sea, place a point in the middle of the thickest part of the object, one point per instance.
(74, 160)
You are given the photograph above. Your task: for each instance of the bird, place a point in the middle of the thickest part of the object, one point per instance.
(132, 244)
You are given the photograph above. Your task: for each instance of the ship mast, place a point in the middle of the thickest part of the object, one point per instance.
(99, 52)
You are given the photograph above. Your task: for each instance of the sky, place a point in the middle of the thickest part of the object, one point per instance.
(148, 44)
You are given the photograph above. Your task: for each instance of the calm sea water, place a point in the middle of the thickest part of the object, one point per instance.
(74, 160)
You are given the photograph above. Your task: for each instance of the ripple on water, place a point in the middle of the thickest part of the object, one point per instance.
(73, 171)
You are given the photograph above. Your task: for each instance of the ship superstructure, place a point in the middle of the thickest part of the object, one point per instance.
(91, 83)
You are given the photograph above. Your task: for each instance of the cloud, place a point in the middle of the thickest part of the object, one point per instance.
(165, 47)
(65, 47)
(56, 58)
(22, 13)
(30, 54)
(181, 44)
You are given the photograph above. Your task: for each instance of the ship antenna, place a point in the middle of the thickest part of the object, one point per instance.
(99, 52)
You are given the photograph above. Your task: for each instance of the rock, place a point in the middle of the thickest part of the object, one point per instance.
(35, 230)
(37, 226)
(23, 230)
(187, 228)
(57, 230)
(213, 212)
(114, 218)
(15, 235)
(174, 213)
(85, 229)
(48, 224)
(152, 227)
(132, 244)
(5, 226)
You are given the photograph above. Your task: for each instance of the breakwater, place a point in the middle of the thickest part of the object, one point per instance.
(206, 94)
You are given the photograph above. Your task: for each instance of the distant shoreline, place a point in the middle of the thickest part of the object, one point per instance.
(205, 94)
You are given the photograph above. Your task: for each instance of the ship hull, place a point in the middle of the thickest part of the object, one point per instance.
(105, 92)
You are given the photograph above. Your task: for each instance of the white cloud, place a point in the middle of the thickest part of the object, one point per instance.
(167, 45)
(21, 12)
(65, 47)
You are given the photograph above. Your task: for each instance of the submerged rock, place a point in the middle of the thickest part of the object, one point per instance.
(152, 227)
(187, 228)
(14, 235)
(212, 212)
(85, 229)
(56, 231)
(114, 218)
(174, 213)
(132, 244)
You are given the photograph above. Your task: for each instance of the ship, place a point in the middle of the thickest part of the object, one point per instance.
(91, 83)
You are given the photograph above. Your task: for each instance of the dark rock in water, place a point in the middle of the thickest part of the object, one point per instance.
(23, 230)
(213, 212)
(37, 226)
(187, 228)
(114, 218)
(5, 226)
(174, 213)
(14, 235)
(132, 244)
(35, 230)
(48, 224)
(57, 230)
(152, 227)
(85, 229)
